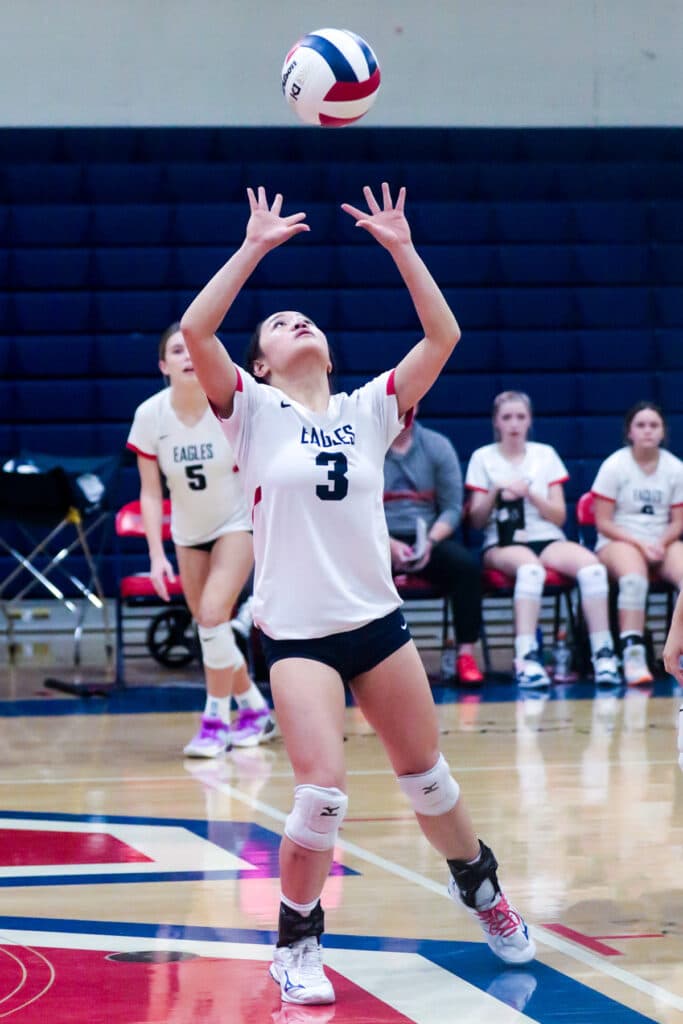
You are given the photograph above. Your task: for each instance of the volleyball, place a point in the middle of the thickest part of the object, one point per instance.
(330, 77)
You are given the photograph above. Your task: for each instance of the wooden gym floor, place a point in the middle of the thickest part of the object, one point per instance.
(141, 887)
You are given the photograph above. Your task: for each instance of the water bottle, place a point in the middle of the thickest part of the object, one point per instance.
(448, 661)
(562, 657)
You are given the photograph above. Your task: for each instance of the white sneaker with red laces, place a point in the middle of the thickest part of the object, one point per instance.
(299, 970)
(505, 929)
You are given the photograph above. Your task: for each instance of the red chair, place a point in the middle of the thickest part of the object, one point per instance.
(413, 587)
(169, 635)
(585, 518)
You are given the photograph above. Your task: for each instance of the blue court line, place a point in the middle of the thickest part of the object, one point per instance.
(179, 697)
(542, 993)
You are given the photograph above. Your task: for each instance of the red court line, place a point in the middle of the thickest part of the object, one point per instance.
(583, 940)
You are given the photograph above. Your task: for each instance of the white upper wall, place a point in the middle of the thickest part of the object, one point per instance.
(444, 62)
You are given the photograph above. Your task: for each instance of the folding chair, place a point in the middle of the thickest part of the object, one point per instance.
(585, 520)
(496, 584)
(42, 499)
(413, 587)
(169, 635)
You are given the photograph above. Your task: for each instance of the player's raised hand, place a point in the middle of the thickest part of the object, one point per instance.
(387, 224)
(266, 227)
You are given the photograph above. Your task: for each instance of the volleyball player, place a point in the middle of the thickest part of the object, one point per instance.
(323, 595)
(175, 433)
(517, 498)
(639, 518)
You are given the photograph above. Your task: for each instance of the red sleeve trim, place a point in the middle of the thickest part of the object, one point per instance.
(238, 387)
(409, 414)
(677, 504)
(596, 494)
(258, 495)
(471, 487)
(138, 451)
(562, 480)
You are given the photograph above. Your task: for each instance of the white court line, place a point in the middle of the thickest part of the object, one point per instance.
(661, 996)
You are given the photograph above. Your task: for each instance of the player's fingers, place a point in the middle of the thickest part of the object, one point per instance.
(263, 204)
(386, 196)
(373, 205)
(277, 204)
(401, 201)
(354, 211)
(294, 218)
(252, 199)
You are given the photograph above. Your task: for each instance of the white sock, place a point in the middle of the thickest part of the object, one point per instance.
(217, 707)
(305, 909)
(601, 638)
(252, 699)
(524, 643)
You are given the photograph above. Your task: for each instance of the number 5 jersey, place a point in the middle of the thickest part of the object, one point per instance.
(207, 498)
(315, 482)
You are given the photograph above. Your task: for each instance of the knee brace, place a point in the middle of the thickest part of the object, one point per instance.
(592, 580)
(315, 819)
(632, 592)
(219, 649)
(529, 581)
(433, 792)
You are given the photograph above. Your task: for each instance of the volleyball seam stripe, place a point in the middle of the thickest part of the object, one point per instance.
(343, 91)
(337, 62)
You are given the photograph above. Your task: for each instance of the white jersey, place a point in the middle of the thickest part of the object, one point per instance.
(541, 467)
(315, 482)
(207, 499)
(642, 501)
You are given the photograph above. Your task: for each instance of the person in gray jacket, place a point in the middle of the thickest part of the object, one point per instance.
(423, 496)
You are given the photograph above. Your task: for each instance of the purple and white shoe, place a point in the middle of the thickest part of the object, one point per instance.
(253, 727)
(212, 739)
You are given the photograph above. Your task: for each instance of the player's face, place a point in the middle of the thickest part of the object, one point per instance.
(646, 430)
(285, 336)
(177, 363)
(512, 421)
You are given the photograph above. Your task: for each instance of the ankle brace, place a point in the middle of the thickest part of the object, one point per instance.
(470, 877)
(293, 926)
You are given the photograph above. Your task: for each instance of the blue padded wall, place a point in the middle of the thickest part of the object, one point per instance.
(561, 253)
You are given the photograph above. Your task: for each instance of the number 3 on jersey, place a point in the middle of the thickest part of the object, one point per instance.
(337, 485)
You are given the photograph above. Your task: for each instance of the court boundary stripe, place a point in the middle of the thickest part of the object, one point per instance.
(546, 938)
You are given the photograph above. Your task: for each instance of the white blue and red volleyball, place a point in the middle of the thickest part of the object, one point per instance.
(330, 77)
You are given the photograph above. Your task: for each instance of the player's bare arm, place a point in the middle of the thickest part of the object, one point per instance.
(266, 229)
(418, 370)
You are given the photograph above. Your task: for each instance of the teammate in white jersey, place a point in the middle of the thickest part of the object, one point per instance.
(517, 498)
(324, 596)
(638, 495)
(175, 433)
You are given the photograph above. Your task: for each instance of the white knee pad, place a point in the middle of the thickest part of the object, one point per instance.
(219, 649)
(529, 581)
(632, 592)
(592, 580)
(316, 817)
(433, 792)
